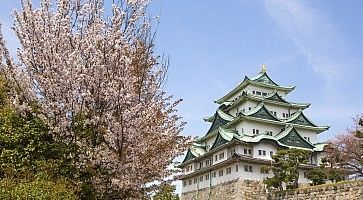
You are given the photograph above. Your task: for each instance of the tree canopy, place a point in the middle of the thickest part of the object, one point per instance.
(285, 167)
(87, 77)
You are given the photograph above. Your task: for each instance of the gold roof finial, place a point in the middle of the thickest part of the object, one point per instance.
(263, 68)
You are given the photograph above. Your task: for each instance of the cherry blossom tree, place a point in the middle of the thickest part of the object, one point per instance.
(94, 77)
(346, 150)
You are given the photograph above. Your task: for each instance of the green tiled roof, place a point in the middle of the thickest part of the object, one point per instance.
(220, 119)
(301, 119)
(261, 111)
(261, 79)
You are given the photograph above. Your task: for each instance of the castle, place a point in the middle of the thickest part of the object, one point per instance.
(252, 122)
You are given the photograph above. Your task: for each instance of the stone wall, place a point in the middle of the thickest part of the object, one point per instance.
(236, 189)
(248, 190)
(352, 190)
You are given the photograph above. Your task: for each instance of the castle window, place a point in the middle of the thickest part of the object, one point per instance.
(220, 173)
(213, 174)
(258, 93)
(264, 94)
(271, 153)
(207, 177)
(233, 151)
(305, 175)
(249, 108)
(253, 92)
(184, 183)
(248, 168)
(275, 114)
(250, 151)
(307, 138)
(283, 114)
(221, 155)
(253, 131)
(236, 168)
(190, 182)
(201, 179)
(262, 152)
(257, 131)
(215, 158)
(229, 170)
(195, 180)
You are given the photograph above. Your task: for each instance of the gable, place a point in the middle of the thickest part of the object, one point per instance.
(294, 139)
(264, 114)
(189, 156)
(217, 122)
(219, 141)
(277, 98)
(302, 120)
(265, 79)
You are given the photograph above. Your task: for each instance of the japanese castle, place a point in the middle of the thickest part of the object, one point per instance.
(252, 122)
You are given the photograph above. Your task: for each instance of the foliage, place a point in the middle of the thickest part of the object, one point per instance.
(30, 159)
(166, 192)
(36, 189)
(317, 175)
(97, 84)
(285, 168)
(345, 152)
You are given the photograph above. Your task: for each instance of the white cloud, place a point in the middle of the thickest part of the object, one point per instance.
(314, 35)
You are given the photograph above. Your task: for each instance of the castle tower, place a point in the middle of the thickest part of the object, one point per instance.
(252, 122)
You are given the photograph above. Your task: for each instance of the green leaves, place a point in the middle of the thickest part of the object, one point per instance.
(285, 167)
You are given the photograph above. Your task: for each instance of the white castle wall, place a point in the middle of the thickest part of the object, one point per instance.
(248, 127)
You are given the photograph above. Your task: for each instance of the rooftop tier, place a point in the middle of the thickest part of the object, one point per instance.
(261, 80)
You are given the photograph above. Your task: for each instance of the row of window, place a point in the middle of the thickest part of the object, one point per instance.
(246, 151)
(247, 168)
(263, 153)
(286, 115)
(259, 93)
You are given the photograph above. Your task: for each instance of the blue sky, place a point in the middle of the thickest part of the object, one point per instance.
(315, 45)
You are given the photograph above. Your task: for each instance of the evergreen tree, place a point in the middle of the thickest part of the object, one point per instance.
(285, 168)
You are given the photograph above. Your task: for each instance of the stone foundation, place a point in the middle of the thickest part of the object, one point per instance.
(255, 190)
(236, 189)
(352, 190)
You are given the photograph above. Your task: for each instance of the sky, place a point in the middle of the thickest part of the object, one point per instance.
(315, 45)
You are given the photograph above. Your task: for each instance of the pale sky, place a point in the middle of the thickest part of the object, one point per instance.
(315, 45)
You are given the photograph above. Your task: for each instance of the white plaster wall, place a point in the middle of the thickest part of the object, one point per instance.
(190, 171)
(279, 109)
(248, 126)
(242, 174)
(264, 146)
(217, 153)
(319, 156)
(245, 105)
(302, 179)
(251, 88)
(308, 133)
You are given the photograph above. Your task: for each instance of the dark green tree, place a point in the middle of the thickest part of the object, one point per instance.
(317, 175)
(166, 192)
(285, 168)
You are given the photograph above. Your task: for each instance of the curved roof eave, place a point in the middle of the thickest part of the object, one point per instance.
(247, 81)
